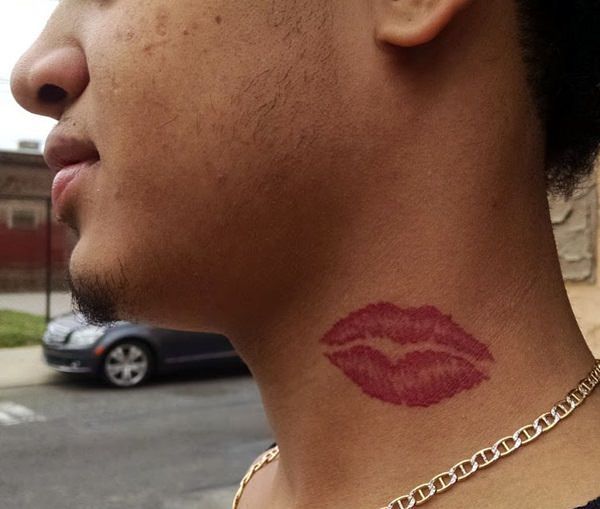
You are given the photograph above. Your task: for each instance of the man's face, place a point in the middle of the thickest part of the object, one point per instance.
(217, 125)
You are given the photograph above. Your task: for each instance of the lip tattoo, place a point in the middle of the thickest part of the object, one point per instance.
(445, 359)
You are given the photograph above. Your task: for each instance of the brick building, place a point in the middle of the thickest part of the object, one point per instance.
(578, 241)
(25, 184)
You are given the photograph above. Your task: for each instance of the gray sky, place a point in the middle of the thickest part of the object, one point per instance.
(21, 21)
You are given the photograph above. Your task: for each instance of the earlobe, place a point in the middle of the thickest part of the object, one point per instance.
(409, 23)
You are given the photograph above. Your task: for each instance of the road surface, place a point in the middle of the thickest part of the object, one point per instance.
(182, 442)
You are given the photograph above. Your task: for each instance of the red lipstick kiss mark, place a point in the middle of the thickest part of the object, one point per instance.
(419, 378)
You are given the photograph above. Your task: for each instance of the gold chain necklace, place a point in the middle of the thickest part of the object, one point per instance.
(481, 459)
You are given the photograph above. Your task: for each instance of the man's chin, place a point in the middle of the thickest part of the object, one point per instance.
(95, 298)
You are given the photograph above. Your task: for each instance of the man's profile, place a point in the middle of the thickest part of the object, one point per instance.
(355, 193)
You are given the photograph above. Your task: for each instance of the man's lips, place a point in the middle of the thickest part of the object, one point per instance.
(64, 185)
(70, 157)
(422, 377)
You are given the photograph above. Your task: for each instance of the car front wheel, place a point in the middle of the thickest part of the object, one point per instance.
(127, 364)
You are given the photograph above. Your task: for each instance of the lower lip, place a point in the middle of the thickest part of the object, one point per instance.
(64, 182)
(420, 378)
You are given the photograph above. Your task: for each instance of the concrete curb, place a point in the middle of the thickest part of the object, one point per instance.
(24, 366)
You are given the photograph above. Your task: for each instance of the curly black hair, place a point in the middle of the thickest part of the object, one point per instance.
(561, 43)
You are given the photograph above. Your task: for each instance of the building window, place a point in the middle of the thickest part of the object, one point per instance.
(23, 219)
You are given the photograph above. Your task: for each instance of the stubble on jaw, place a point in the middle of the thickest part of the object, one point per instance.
(98, 297)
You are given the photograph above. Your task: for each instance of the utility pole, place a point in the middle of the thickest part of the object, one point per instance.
(48, 256)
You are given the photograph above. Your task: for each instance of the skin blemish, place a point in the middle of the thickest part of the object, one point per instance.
(125, 35)
(149, 48)
(114, 83)
(218, 19)
(442, 359)
(161, 23)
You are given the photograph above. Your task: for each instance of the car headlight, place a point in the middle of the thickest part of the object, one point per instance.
(85, 336)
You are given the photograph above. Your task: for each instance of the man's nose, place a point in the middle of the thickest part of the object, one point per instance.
(46, 81)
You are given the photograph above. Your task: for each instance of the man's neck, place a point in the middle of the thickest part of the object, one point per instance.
(342, 438)
(455, 262)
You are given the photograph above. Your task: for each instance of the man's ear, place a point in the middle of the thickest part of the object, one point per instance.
(408, 23)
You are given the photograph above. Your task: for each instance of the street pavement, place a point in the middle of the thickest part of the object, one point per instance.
(180, 442)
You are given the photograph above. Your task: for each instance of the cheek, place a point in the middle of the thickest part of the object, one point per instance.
(209, 169)
(195, 145)
(161, 130)
(170, 154)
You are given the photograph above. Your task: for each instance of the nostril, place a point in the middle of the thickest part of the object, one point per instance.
(51, 94)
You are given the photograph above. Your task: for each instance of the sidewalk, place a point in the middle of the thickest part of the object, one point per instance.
(24, 366)
(35, 303)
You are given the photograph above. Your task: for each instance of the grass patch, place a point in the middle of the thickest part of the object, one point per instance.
(20, 329)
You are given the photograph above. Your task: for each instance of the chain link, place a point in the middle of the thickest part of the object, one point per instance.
(481, 459)
(263, 461)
